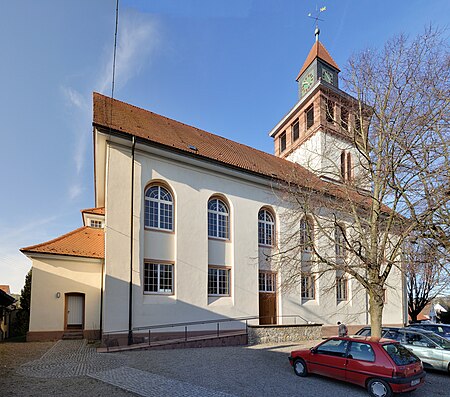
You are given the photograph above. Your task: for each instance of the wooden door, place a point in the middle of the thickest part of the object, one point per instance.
(74, 311)
(267, 308)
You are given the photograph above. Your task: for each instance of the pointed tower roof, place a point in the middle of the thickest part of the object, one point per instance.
(318, 51)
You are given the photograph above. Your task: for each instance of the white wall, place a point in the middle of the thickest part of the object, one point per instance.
(51, 275)
(191, 251)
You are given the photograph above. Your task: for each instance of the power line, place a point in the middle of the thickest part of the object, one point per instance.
(115, 50)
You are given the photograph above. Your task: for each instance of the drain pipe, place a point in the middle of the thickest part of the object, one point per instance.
(130, 290)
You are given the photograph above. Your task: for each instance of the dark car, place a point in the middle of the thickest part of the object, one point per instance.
(382, 366)
(440, 329)
(432, 349)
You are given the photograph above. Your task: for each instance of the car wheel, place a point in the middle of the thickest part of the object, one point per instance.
(379, 388)
(300, 367)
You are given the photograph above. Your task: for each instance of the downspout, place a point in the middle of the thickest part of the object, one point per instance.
(130, 290)
(101, 301)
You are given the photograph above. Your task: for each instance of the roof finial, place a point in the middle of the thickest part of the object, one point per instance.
(317, 19)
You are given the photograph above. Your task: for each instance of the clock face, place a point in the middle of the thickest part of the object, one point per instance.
(307, 82)
(327, 76)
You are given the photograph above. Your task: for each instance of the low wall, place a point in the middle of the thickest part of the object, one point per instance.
(259, 334)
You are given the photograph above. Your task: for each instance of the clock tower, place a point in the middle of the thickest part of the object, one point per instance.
(319, 66)
(320, 130)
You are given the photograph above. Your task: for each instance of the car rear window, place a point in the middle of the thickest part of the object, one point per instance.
(400, 354)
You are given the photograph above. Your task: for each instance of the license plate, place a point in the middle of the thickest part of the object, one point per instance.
(415, 382)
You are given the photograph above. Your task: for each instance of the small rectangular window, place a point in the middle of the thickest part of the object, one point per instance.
(158, 278)
(349, 167)
(218, 281)
(308, 286)
(329, 110)
(341, 288)
(295, 131)
(339, 243)
(97, 224)
(282, 142)
(344, 118)
(310, 117)
(357, 125)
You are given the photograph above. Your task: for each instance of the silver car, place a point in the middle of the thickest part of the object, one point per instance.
(432, 349)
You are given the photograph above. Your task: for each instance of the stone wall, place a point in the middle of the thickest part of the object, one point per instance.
(259, 334)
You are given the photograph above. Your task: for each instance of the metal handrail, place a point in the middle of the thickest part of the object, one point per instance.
(185, 337)
(172, 325)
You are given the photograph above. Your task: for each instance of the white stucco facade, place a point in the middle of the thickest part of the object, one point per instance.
(188, 248)
(55, 277)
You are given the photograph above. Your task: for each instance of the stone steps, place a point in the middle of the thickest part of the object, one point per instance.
(72, 335)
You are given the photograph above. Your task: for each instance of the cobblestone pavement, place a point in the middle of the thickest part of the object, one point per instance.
(74, 368)
(69, 358)
(147, 384)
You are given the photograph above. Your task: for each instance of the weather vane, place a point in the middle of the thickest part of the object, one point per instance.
(317, 19)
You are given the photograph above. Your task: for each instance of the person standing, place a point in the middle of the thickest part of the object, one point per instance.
(342, 329)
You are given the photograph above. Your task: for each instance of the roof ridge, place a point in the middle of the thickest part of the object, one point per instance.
(54, 240)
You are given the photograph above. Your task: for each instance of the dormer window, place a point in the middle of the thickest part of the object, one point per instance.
(282, 142)
(96, 223)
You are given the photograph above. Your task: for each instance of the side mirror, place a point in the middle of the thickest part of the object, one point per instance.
(313, 350)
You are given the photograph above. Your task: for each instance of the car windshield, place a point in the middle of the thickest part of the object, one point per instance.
(439, 340)
(401, 355)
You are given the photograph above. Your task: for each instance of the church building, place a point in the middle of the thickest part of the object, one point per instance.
(185, 222)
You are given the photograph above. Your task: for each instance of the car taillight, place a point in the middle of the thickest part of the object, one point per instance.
(399, 373)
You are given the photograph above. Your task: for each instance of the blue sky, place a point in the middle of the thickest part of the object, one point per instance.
(225, 66)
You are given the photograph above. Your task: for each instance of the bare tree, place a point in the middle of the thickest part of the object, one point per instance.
(426, 272)
(395, 126)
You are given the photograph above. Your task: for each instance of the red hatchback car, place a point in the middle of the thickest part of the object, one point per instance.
(383, 366)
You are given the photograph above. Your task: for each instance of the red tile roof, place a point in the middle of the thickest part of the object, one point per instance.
(5, 288)
(318, 51)
(83, 242)
(152, 127)
(96, 211)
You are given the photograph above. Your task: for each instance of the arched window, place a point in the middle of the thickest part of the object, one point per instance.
(306, 234)
(218, 219)
(266, 228)
(158, 208)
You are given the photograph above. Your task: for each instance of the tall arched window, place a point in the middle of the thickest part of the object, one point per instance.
(218, 219)
(306, 234)
(346, 166)
(158, 208)
(266, 228)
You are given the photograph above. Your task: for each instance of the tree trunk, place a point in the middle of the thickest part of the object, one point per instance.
(376, 312)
